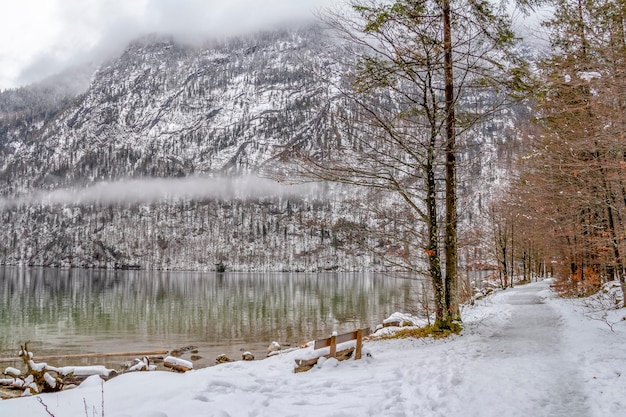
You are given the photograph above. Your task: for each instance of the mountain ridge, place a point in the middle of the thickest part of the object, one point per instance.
(165, 110)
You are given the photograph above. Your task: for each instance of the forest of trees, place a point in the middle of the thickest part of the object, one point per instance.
(565, 214)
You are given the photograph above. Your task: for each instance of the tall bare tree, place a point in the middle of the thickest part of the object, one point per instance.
(422, 73)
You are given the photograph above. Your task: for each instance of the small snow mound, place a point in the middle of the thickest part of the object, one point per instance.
(273, 347)
(403, 319)
(329, 363)
(385, 331)
(545, 294)
(92, 381)
(221, 413)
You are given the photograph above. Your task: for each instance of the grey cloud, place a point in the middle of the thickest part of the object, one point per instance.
(134, 191)
(43, 65)
(189, 20)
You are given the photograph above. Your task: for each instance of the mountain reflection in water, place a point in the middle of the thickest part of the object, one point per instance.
(72, 311)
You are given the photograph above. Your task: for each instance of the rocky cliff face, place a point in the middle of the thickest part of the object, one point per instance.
(164, 110)
(167, 110)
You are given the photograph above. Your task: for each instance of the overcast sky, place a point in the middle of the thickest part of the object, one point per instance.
(39, 38)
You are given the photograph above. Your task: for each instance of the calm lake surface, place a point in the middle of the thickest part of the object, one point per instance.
(77, 311)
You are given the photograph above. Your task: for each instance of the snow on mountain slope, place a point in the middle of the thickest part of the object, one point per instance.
(164, 109)
(167, 110)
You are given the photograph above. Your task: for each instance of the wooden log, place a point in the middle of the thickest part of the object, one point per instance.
(342, 355)
(306, 362)
(334, 340)
(177, 368)
(358, 335)
(7, 393)
(178, 365)
(338, 339)
(303, 365)
(341, 338)
(90, 355)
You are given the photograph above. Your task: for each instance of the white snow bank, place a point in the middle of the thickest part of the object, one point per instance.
(91, 381)
(595, 340)
(405, 320)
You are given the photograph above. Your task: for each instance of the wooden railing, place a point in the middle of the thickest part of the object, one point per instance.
(332, 342)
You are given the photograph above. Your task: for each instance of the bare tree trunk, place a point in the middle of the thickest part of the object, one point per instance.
(451, 282)
(512, 256)
(434, 260)
(505, 265)
(610, 202)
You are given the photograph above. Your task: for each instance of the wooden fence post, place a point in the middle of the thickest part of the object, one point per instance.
(359, 344)
(333, 345)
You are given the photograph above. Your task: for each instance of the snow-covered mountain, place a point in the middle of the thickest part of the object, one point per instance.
(164, 110)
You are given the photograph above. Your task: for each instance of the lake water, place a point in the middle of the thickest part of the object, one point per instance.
(77, 311)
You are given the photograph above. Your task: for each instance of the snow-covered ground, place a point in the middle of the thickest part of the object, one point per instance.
(523, 353)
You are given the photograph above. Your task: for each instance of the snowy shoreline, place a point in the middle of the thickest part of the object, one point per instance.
(536, 354)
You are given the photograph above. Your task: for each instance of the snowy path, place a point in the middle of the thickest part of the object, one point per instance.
(533, 339)
(522, 353)
(510, 363)
(513, 367)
